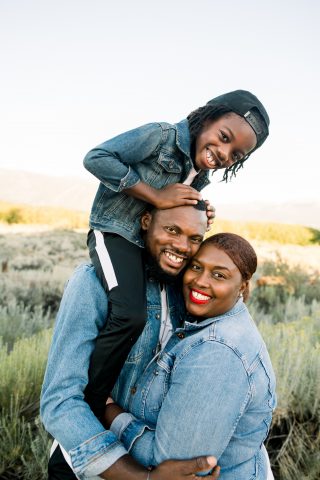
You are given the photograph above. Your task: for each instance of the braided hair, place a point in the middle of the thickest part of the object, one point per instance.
(197, 120)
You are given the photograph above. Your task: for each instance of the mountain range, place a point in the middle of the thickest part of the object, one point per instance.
(77, 194)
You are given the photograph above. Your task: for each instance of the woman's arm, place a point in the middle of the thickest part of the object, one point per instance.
(208, 393)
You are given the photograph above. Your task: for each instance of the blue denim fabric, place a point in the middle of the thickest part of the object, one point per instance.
(210, 392)
(157, 154)
(65, 414)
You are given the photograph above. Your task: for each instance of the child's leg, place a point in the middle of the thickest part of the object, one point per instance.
(58, 468)
(119, 266)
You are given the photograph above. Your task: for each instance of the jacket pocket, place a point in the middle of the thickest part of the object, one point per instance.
(169, 163)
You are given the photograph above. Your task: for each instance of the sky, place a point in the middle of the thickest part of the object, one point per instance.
(75, 73)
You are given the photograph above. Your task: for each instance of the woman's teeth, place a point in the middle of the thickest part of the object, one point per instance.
(200, 296)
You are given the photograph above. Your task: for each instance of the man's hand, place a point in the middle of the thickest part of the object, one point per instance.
(211, 213)
(183, 469)
(126, 467)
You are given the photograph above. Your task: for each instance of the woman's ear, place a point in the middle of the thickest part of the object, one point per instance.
(146, 221)
(244, 288)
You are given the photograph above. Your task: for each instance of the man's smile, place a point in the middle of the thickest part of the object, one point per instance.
(175, 259)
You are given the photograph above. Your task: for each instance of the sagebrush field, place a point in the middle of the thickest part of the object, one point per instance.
(285, 302)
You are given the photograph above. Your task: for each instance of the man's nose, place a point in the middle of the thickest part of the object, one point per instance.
(182, 244)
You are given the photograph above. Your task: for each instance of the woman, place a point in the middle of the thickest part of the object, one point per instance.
(211, 391)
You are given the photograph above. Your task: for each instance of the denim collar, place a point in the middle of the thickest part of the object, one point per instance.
(183, 137)
(192, 324)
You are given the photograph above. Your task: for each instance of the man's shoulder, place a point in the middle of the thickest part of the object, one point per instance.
(84, 278)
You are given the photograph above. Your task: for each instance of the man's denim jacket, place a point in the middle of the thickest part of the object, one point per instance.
(65, 414)
(157, 154)
(211, 391)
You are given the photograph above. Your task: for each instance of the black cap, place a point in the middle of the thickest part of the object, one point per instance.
(250, 108)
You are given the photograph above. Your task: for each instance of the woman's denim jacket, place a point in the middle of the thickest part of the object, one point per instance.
(211, 391)
(157, 154)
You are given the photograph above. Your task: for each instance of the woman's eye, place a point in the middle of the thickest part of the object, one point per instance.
(194, 267)
(217, 275)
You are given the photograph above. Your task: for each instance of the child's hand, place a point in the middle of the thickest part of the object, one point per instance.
(211, 213)
(176, 195)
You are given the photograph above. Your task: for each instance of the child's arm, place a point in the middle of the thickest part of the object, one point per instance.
(170, 196)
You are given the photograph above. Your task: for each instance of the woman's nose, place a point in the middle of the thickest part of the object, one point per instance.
(202, 280)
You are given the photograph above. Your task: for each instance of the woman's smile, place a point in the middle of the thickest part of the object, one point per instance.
(199, 297)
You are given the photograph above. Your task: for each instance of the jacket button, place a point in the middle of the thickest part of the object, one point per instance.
(133, 390)
(156, 372)
(157, 316)
(180, 335)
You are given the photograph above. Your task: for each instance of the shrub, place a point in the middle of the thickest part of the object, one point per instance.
(17, 321)
(23, 442)
(294, 440)
(272, 296)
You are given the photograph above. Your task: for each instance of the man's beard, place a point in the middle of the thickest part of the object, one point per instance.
(155, 271)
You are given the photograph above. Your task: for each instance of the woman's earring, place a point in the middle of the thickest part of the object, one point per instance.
(240, 295)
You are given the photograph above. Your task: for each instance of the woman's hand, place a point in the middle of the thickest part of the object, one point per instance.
(183, 469)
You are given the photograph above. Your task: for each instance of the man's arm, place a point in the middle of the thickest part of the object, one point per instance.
(92, 449)
(65, 414)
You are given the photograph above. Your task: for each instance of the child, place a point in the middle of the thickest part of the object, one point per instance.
(166, 166)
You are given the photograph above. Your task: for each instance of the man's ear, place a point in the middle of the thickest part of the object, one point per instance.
(146, 221)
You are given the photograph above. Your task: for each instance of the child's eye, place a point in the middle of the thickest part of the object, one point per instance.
(225, 137)
(237, 156)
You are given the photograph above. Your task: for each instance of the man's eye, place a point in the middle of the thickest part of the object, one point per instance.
(196, 240)
(171, 230)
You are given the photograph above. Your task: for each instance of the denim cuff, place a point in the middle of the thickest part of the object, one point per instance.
(96, 455)
(120, 423)
(129, 180)
(128, 429)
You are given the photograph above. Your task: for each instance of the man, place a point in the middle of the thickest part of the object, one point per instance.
(172, 237)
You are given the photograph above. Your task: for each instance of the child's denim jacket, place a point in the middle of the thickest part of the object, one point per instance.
(157, 154)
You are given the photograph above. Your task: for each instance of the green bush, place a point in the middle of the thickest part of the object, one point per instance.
(294, 440)
(23, 443)
(294, 283)
(17, 321)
